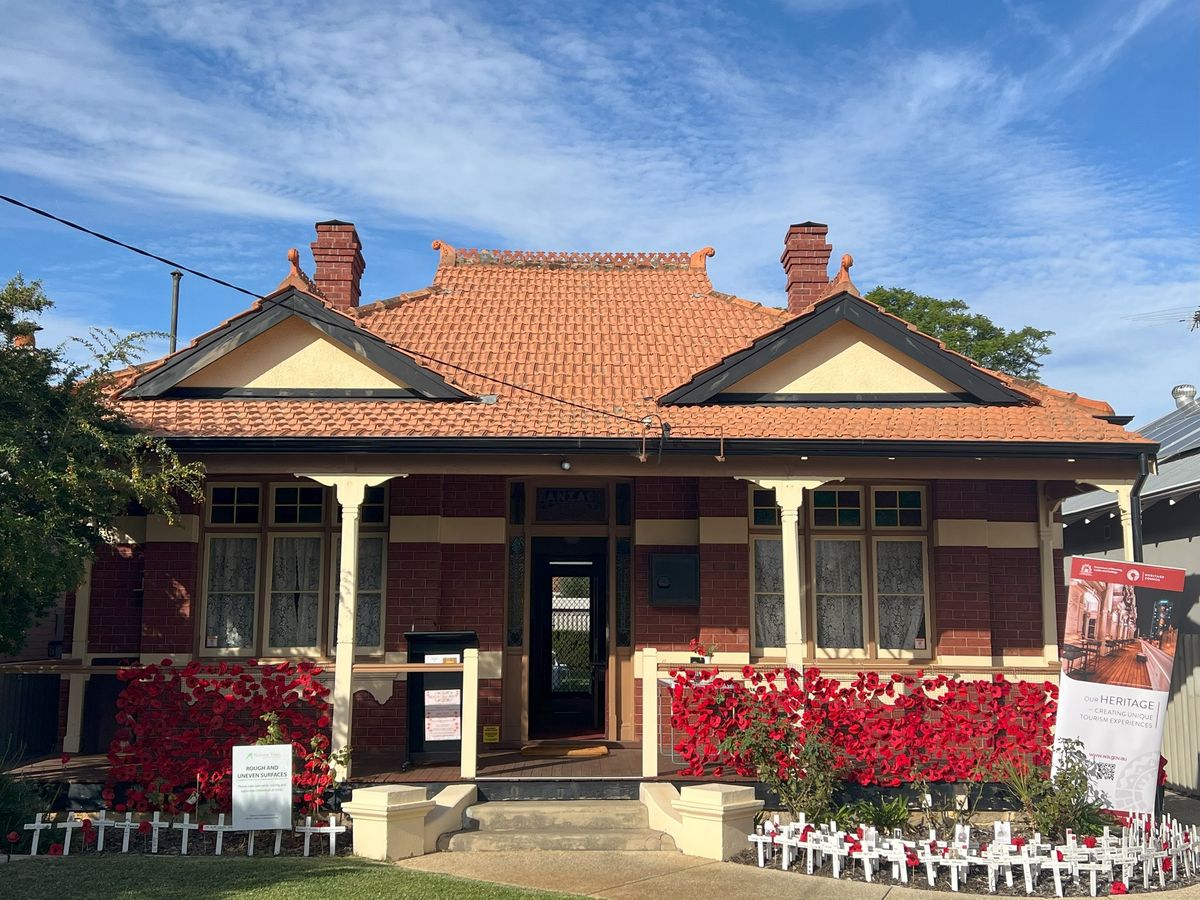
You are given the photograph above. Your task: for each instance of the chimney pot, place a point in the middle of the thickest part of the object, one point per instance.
(337, 253)
(805, 259)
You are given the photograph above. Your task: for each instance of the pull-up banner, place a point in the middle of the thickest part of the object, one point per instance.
(1117, 653)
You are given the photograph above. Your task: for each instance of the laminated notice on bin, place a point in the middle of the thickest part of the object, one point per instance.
(443, 715)
(443, 659)
(262, 787)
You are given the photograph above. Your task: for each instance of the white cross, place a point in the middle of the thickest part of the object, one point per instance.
(333, 829)
(100, 823)
(68, 825)
(1057, 866)
(220, 828)
(37, 827)
(895, 851)
(127, 826)
(185, 828)
(956, 861)
(835, 846)
(763, 841)
(155, 826)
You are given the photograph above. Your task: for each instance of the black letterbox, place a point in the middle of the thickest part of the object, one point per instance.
(435, 698)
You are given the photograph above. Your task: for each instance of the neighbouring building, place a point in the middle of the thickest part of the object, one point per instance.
(588, 460)
(1170, 517)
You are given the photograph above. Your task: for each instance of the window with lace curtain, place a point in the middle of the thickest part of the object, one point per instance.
(866, 586)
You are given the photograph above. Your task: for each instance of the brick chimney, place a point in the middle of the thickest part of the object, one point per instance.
(337, 253)
(806, 260)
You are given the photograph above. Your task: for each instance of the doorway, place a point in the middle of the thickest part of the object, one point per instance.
(568, 648)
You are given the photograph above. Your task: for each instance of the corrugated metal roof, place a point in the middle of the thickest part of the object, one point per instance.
(1178, 433)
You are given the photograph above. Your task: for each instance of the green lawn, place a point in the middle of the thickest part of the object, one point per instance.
(262, 878)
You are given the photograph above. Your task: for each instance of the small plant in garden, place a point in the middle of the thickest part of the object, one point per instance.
(884, 816)
(699, 648)
(20, 799)
(177, 727)
(1065, 800)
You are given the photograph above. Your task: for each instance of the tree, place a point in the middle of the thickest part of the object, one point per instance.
(1017, 353)
(70, 462)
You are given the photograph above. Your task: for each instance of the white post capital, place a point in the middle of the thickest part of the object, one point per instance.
(389, 821)
(715, 819)
(1124, 491)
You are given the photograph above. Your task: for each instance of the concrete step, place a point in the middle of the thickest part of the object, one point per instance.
(596, 839)
(554, 815)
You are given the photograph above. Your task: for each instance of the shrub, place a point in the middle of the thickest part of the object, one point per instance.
(20, 800)
(177, 727)
(1054, 803)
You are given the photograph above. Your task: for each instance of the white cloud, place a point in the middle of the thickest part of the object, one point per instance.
(939, 167)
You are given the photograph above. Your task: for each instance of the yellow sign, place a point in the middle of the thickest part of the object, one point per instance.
(491, 734)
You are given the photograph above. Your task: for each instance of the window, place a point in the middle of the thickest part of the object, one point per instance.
(298, 505)
(295, 597)
(901, 591)
(233, 504)
(765, 511)
(768, 593)
(841, 508)
(838, 588)
(899, 507)
(368, 609)
(374, 507)
(232, 586)
(865, 586)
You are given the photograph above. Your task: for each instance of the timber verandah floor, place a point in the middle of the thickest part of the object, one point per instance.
(1136, 665)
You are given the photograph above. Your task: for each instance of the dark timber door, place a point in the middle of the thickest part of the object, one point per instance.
(568, 652)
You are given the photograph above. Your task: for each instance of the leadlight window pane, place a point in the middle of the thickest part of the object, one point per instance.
(571, 504)
(899, 509)
(839, 592)
(231, 505)
(516, 591)
(232, 580)
(295, 591)
(900, 588)
(368, 605)
(768, 593)
(624, 593)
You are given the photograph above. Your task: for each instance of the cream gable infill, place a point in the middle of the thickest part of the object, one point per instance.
(291, 354)
(844, 359)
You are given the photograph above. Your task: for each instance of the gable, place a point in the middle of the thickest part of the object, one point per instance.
(844, 359)
(848, 352)
(291, 355)
(292, 345)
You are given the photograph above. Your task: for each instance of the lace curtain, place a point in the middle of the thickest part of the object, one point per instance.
(838, 567)
(232, 574)
(295, 591)
(901, 590)
(368, 618)
(768, 593)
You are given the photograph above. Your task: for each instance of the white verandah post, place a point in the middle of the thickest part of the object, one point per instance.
(349, 491)
(789, 495)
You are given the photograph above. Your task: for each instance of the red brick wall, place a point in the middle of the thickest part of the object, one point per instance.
(996, 501)
(962, 600)
(472, 592)
(666, 498)
(381, 726)
(1016, 604)
(1011, 501)
(725, 596)
(416, 495)
(474, 495)
(723, 497)
(115, 609)
(666, 628)
(490, 705)
(414, 574)
(170, 588)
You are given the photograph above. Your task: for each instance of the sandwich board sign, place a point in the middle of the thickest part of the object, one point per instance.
(262, 787)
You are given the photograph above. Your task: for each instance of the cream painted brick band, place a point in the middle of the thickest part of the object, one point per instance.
(668, 532)
(186, 530)
(446, 530)
(982, 533)
(127, 530)
(724, 530)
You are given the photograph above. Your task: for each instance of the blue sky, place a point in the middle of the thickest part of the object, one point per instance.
(1037, 160)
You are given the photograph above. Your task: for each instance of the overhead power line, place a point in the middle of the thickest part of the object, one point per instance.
(223, 283)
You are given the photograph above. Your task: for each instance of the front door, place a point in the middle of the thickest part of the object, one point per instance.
(568, 653)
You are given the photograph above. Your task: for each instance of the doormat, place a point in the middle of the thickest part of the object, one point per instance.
(565, 751)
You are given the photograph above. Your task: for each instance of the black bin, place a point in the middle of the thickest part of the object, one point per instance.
(435, 698)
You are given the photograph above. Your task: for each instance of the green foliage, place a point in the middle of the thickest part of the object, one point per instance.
(1066, 800)
(1017, 352)
(887, 814)
(70, 463)
(20, 800)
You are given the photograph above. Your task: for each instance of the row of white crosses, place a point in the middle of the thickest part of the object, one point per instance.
(1143, 843)
(185, 826)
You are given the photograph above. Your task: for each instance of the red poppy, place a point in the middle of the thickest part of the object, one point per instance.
(1118, 887)
(1089, 842)
(143, 827)
(1167, 864)
(66, 758)
(55, 850)
(13, 837)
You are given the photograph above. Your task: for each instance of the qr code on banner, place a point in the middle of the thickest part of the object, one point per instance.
(1106, 771)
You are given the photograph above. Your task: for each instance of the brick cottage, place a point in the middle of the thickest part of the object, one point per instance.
(588, 460)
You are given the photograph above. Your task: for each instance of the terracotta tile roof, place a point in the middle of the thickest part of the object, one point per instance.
(609, 331)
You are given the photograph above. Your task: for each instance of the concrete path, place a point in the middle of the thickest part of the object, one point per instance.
(630, 875)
